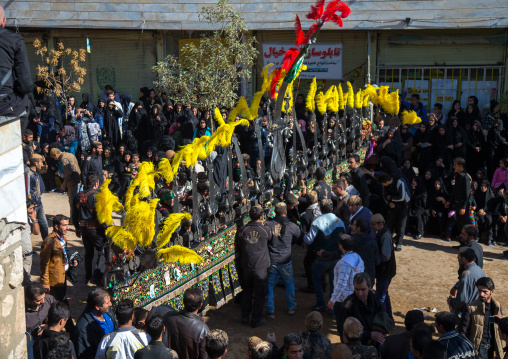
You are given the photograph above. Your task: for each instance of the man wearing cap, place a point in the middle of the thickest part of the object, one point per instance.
(398, 346)
(315, 345)
(284, 234)
(34, 186)
(71, 171)
(93, 163)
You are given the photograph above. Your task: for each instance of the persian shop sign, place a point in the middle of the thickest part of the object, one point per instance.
(324, 61)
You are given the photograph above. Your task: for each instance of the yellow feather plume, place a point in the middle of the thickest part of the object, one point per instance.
(218, 117)
(289, 102)
(358, 99)
(128, 195)
(342, 103)
(310, 102)
(256, 99)
(410, 118)
(171, 223)
(267, 76)
(373, 94)
(365, 99)
(121, 238)
(179, 254)
(165, 170)
(320, 102)
(140, 221)
(106, 204)
(350, 95)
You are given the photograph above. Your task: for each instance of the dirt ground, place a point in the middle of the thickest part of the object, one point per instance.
(426, 270)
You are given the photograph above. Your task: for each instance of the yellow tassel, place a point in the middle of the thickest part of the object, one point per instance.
(373, 94)
(179, 254)
(256, 99)
(106, 204)
(267, 77)
(410, 118)
(365, 99)
(128, 195)
(121, 238)
(310, 102)
(140, 221)
(342, 103)
(218, 117)
(350, 95)
(358, 99)
(320, 102)
(289, 93)
(171, 223)
(165, 170)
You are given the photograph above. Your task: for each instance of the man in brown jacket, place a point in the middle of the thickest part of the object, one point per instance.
(478, 321)
(186, 331)
(72, 173)
(53, 259)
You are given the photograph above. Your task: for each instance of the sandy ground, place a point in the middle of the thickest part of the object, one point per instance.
(426, 270)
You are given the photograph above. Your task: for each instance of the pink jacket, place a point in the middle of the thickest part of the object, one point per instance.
(499, 178)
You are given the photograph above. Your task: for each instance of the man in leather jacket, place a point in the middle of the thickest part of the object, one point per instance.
(186, 331)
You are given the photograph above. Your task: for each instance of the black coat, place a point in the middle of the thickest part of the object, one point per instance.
(354, 307)
(88, 334)
(111, 126)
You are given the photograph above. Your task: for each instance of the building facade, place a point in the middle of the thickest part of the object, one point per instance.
(443, 50)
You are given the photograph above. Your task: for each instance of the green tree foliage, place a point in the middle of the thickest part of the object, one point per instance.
(208, 73)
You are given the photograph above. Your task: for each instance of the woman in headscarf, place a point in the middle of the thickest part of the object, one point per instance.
(47, 121)
(388, 165)
(484, 198)
(158, 123)
(168, 112)
(111, 164)
(390, 146)
(475, 148)
(88, 103)
(111, 126)
(459, 139)
(456, 113)
(472, 115)
(495, 146)
(202, 129)
(443, 145)
(99, 113)
(422, 147)
(68, 142)
(49, 176)
(438, 213)
(408, 171)
(406, 142)
(417, 215)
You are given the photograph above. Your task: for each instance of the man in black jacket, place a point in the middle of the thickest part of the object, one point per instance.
(363, 305)
(186, 331)
(284, 234)
(387, 267)
(15, 79)
(251, 244)
(459, 199)
(155, 349)
(96, 321)
(365, 247)
(358, 177)
(58, 315)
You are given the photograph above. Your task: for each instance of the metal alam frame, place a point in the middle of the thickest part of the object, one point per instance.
(291, 161)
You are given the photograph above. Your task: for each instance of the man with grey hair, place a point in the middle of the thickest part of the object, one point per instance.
(363, 305)
(15, 79)
(284, 234)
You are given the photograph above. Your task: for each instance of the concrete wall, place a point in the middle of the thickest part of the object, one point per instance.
(12, 217)
(259, 14)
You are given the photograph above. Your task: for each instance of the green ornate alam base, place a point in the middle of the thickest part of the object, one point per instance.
(216, 276)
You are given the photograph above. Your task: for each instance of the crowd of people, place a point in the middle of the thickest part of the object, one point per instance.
(409, 185)
(439, 177)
